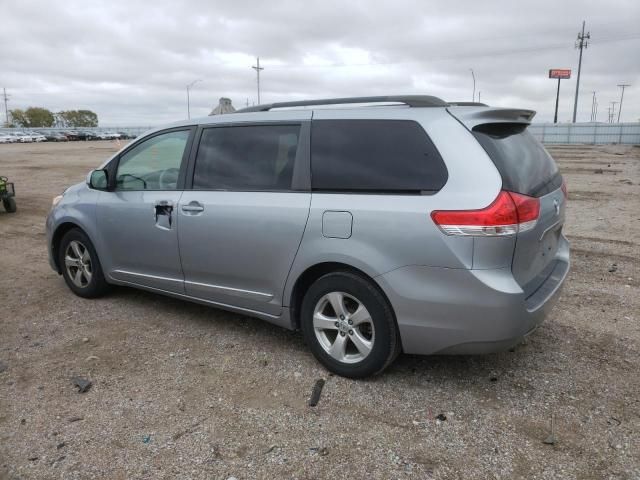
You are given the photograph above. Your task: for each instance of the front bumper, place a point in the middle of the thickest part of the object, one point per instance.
(458, 311)
(49, 230)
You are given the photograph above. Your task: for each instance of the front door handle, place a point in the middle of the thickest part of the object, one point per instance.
(193, 207)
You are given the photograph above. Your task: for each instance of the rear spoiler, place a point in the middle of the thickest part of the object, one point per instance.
(476, 115)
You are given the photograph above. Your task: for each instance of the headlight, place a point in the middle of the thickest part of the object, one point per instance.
(56, 200)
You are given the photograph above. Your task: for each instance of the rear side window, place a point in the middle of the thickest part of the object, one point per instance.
(256, 157)
(523, 163)
(375, 156)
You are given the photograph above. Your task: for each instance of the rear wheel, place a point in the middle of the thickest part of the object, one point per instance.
(349, 325)
(80, 265)
(9, 204)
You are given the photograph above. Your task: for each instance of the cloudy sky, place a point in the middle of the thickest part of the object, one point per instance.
(130, 61)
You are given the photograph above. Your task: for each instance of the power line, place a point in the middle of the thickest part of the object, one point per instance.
(581, 43)
(449, 57)
(623, 86)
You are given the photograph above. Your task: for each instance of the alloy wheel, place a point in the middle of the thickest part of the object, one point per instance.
(343, 327)
(77, 261)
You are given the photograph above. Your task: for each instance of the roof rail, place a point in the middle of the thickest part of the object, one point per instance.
(467, 104)
(410, 100)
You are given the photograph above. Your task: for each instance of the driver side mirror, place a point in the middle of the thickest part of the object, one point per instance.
(99, 180)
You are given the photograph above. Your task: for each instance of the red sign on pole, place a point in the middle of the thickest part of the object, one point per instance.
(560, 73)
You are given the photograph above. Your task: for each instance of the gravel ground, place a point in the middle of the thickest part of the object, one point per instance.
(184, 391)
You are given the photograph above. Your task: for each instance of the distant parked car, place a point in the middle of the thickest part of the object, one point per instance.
(6, 138)
(75, 135)
(90, 135)
(126, 135)
(55, 136)
(23, 137)
(106, 136)
(36, 136)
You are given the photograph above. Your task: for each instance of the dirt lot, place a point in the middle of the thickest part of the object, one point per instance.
(183, 391)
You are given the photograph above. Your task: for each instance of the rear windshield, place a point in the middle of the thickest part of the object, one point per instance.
(523, 163)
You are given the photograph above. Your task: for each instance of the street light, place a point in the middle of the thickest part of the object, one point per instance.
(474, 85)
(188, 102)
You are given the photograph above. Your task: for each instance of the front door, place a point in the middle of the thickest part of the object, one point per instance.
(242, 222)
(138, 220)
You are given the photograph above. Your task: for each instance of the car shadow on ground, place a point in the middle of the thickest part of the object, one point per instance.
(462, 368)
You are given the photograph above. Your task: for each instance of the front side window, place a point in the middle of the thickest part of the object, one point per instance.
(153, 164)
(374, 156)
(249, 158)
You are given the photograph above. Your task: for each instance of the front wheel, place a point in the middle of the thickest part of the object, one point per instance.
(9, 204)
(80, 265)
(349, 325)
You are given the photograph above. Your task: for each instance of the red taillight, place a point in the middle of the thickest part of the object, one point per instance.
(564, 189)
(509, 214)
(528, 208)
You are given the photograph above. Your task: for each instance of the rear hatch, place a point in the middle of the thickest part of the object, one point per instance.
(526, 168)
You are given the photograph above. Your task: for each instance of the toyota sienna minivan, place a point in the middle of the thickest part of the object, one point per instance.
(375, 225)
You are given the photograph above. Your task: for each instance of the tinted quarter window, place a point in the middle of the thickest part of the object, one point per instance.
(153, 164)
(523, 163)
(258, 157)
(374, 155)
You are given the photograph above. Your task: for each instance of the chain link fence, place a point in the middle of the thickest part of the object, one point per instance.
(548, 133)
(587, 133)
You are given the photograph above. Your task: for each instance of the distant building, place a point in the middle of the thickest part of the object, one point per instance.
(223, 107)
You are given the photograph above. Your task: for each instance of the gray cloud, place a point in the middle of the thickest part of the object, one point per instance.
(130, 61)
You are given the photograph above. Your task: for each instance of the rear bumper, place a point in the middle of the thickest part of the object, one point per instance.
(457, 311)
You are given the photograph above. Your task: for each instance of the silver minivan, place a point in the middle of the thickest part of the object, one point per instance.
(376, 225)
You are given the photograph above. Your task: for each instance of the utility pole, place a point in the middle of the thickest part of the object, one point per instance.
(189, 87)
(6, 110)
(479, 96)
(257, 68)
(593, 107)
(623, 86)
(581, 43)
(473, 98)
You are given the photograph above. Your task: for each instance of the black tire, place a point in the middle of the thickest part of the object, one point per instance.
(9, 204)
(386, 341)
(97, 285)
